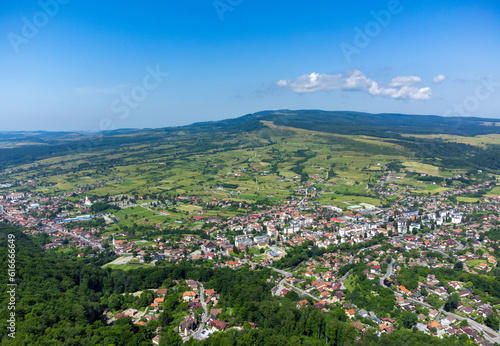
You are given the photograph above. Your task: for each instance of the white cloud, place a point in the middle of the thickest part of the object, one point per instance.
(401, 87)
(439, 78)
(405, 81)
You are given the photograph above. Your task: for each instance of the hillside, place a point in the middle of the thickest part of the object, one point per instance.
(250, 159)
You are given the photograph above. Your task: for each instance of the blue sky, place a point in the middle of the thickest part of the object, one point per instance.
(94, 65)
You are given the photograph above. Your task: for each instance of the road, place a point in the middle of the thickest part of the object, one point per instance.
(287, 274)
(441, 252)
(481, 328)
(80, 237)
(197, 334)
(357, 253)
(119, 260)
(388, 273)
(282, 272)
(283, 282)
(346, 275)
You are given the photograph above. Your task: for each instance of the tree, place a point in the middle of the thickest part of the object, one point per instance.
(434, 300)
(492, 321)
(452, 302)
(292, 295)
(409, 319)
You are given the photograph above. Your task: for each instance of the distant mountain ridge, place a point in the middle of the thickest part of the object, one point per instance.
(25, 147)
(356, 123)
(341, 122)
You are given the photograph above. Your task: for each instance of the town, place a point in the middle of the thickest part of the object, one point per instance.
(376, 262)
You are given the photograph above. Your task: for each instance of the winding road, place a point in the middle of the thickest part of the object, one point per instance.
(197, 334)
(387, 274)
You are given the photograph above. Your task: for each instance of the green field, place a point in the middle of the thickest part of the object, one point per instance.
(467, 199)
(350, 283)
(495, 191)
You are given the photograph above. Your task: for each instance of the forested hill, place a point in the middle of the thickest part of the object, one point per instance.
(356, 123)
(21, 148)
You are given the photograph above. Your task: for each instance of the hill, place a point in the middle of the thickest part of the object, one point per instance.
(421, 136)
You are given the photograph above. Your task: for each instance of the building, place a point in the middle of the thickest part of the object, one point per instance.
(87, 202)
(242, 240)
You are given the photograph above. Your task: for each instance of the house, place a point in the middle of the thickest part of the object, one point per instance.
(188, 296)
(193, 284)
(387, 329)
(218, 325)
(463, 294)
(156, 340)
(319, 305)
(433, 313)
(466, 309)
(325, 295)
(483, 266)
(215, 312)
(485, 312)
(433, 324)
(440, 292)
(350, 313)
(421, 327)
(404, 290)
(302, 303)
(451, 318)
(187, 326)
(363, 313)
(208, 246)
(388, 321)
(358, 326)
(161, 292)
